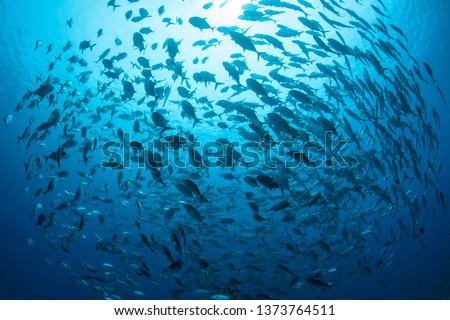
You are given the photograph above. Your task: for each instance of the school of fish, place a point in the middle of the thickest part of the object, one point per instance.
(254, 215)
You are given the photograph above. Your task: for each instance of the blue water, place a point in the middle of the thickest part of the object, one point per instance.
(33, 266)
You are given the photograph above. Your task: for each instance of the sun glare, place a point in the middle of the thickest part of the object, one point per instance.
(226, 12)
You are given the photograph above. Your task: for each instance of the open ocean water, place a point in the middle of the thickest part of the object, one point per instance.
(255, 81)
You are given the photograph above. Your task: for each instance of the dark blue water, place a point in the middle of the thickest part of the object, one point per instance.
(33, 265)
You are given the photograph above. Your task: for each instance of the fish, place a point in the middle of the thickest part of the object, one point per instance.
(206, 78)
(169, 214)
(256, 87)
(233, 72)
(86, 45)
(208, 5)
(49, 48)
(57, 156)
(44, 90)
(145, 240)
(280, 206)
(112, 3)
(214, 129)
(200, 23)
(193, 212)
(172, 47)
(429, 71)
(7, 120)
(244, 42)
(318, 283)
(258, 218)
(51, 185)
(161, 10)
(189, 110)
(77, 196)
(138, 41)
(103, 55)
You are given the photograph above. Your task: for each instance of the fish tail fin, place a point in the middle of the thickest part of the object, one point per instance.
(92, 46)
(197, 121)
(218, 84)
(193, 92)
(441, 94)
